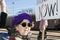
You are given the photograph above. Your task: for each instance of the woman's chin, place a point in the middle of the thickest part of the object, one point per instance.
(25, 34)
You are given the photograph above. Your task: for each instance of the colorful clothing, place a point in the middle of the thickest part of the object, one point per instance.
(19, 37)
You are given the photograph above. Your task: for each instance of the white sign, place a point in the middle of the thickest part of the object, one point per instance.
(49, 9)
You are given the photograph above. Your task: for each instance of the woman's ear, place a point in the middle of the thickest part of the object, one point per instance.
(33, 24)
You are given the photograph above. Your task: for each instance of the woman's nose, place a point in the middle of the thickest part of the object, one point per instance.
(26, 28)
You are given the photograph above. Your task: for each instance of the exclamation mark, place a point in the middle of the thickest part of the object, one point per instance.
(57, 7)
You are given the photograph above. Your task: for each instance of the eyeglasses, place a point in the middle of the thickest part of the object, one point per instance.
(26, 24)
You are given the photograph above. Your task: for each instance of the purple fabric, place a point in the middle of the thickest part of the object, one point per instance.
(43, 24)
(20, 18)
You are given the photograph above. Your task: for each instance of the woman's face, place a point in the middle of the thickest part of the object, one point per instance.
(24, 27)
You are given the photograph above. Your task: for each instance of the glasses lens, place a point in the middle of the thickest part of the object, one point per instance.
(29, 24)
(23, 24)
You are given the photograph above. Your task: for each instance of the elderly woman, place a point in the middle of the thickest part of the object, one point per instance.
(22, 23)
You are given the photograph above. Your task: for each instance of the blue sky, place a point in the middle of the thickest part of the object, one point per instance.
(19, 5)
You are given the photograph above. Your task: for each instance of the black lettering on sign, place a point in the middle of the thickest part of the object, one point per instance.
(57, 6)
(52, 9)
(49, 10)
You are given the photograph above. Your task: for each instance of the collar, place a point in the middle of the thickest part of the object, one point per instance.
(22, 37)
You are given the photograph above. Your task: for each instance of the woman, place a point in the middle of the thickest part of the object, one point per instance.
(43, 26)
(22, 23)
(3, 14)
(43, 22)
(3, 35)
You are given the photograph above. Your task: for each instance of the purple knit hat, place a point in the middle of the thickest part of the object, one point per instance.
(20, 18)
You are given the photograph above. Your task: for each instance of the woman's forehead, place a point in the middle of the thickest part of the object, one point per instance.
(25, 20)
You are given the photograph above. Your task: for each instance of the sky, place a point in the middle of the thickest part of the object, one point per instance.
(16, 5)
